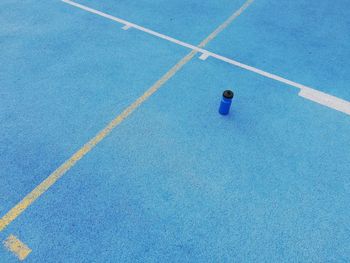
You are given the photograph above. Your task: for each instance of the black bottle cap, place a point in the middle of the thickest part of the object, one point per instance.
(228, 94)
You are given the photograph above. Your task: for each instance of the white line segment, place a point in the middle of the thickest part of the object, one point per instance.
(305, 91)
(203, 56)
(45, 185)
(126, 27)
(326, 100)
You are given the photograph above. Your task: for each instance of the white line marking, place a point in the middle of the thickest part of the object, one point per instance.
(45, 185)
(203, 56)
(126, 27)
(306, 92)
(326, 100)
(143, 29)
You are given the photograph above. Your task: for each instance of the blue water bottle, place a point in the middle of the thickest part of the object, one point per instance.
(226, 102)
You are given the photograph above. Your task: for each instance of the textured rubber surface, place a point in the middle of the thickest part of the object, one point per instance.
(175, 181)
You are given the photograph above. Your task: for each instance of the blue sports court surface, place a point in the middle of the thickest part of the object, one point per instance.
(112, 148)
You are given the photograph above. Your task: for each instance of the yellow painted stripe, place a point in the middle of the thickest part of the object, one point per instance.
(60, 171)
(17, 247)
(225, 24)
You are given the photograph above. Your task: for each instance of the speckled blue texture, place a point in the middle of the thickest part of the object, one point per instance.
(65, 75)
(176, 181)
(304, 41)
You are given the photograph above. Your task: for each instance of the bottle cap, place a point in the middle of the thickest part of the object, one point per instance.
(228, 94)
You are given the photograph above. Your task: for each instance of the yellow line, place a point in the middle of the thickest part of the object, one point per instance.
(60, 171)
(225, 24)
(17, 247)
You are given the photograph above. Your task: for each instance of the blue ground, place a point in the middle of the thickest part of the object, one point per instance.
(176, 181)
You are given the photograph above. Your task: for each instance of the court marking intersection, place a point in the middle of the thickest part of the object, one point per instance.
(305, 92)
(13, 243)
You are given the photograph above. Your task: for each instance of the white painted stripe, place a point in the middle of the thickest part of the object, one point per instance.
(45, 185)
(181, 43)
(326, 100)
(126, 27)
(203, 56)
(333, 102)
(143, 29)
